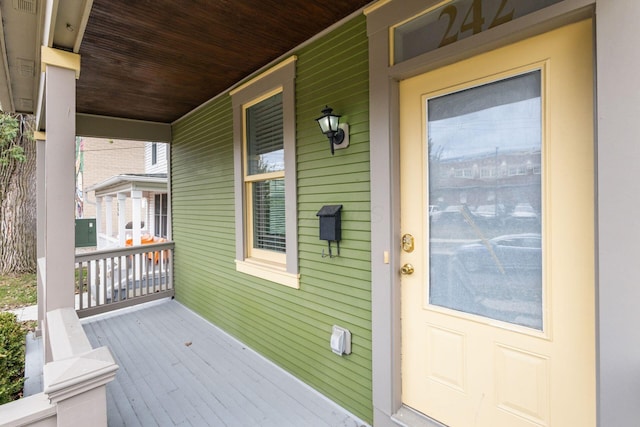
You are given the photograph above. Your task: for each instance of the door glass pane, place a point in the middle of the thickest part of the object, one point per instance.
(484, 149)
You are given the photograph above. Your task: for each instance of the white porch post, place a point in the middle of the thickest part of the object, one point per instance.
(136, 237)
(41, 205)
(108, 217)
(98, 221)
(59, 224)
(122, 218)
(168, 195)
(136, 197)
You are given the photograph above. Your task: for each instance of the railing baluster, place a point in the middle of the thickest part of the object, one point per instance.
(102, 265)
(112, 285)
(116, 294)
(130, 278)
(78, 282)
(169, 270)
(89, 280)
(136, 275)
(145, 259)
(155, 273)
(93, 291)
(124, 278)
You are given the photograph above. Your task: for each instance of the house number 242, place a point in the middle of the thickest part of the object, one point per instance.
(474, 19)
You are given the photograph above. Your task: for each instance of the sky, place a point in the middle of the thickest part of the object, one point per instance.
(508, 127)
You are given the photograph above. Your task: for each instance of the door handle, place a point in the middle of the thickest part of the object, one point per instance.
(407, 269)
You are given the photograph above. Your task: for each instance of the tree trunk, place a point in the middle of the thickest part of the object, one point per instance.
(18, 208)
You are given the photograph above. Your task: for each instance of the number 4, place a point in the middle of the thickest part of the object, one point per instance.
(477, 20)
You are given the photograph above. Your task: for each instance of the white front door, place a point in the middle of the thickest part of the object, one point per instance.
(498, 311)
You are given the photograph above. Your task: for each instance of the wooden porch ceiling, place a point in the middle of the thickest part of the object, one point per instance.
(156, 61)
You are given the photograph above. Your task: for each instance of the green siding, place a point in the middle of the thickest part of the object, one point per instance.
(291, 327)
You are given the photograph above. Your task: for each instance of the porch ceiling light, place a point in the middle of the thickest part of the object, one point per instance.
(336, 132)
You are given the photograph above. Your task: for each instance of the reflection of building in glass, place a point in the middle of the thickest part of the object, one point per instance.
(485, 235)
(505, 180)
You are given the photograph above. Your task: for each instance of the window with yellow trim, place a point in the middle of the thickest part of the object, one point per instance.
(264, 178)
(265, 175)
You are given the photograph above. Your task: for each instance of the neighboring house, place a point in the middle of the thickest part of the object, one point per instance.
(98, 159)
(155, 157)
(104, 158)
(132, 199)
(512, 304)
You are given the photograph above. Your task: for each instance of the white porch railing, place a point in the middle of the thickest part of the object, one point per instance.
(115, 278)
(74, 381)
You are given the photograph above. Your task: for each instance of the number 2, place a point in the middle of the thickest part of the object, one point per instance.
(499, 20)
(475, 13)
(452, 12)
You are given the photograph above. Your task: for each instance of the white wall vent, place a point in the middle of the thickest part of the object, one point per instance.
(26, 104)
(28, 6)
(26, 67)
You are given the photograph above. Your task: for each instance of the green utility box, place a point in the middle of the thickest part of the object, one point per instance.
(86, 234)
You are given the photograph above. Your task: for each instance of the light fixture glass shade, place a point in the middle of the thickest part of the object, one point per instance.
(324, 124)
(333, 122)
(328, 122)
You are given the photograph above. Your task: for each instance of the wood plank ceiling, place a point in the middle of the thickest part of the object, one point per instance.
(158, 60)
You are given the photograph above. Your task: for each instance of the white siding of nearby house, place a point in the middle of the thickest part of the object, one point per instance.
(160, 166)
(104, 158)
(150, 213)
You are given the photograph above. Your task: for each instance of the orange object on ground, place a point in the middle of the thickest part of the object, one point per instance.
(147, 239)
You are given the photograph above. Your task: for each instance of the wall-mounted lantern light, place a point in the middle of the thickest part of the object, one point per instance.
(338, 133)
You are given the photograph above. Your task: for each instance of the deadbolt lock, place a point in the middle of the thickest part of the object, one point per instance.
(407, 243)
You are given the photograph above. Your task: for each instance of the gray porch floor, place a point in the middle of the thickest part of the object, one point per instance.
(177, 369)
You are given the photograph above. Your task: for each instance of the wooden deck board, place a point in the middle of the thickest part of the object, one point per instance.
(33, 365)
(178, 369)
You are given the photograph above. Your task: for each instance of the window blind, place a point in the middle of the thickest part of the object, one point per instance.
(269, 215)
(265, 145)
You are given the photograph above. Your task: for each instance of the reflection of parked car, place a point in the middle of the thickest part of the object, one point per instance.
(523, 219)
(500, 278)
(503, 253)
(490, 211)
(523, 210)
(459, 222)
(455, 214)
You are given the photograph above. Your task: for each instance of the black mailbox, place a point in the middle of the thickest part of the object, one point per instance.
(330, 224)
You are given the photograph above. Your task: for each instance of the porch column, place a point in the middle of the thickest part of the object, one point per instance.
(122, 218)
(618, 80)
(108, 217)
(98, 221)
(168, 194)
(41, 211)
(136, 236)
(59, 247)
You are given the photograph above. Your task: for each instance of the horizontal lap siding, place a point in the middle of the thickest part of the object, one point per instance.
(291, 327)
